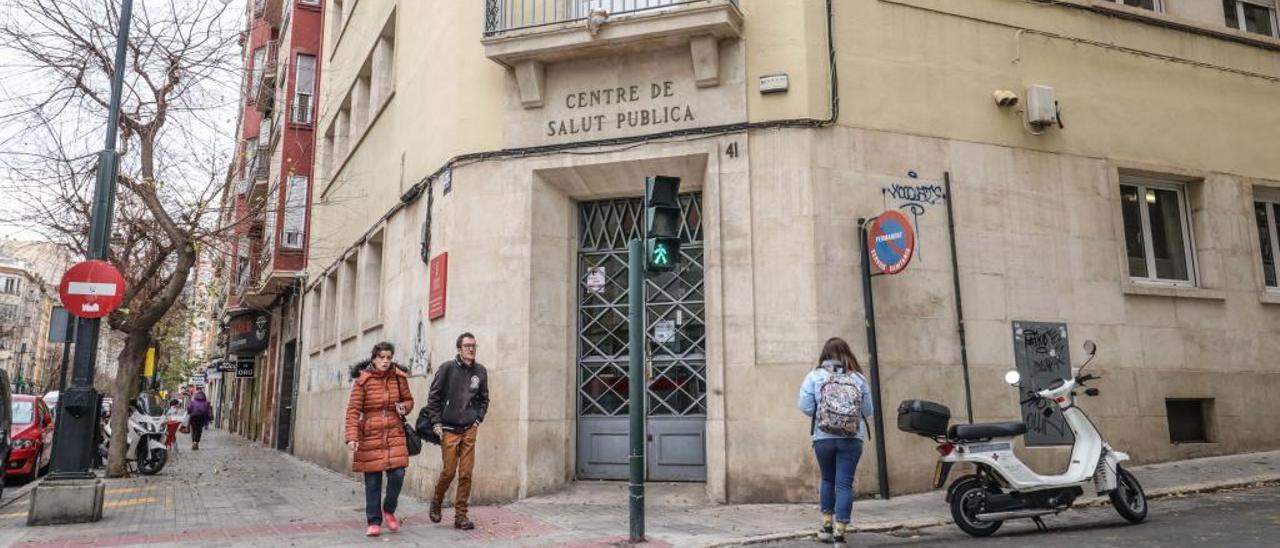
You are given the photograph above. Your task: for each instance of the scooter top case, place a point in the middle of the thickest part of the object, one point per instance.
(923, 417)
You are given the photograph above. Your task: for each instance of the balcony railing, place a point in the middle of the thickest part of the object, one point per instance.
(510, 15)
(302, 108)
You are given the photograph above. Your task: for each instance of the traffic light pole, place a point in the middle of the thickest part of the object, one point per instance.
(635, 371)
(72, 493)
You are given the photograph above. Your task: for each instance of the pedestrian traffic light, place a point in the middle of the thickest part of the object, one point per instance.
(662, 223)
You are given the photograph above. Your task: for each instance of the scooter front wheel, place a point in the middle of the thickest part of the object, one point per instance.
(151, 461)
(967, 503)
(1128, 498)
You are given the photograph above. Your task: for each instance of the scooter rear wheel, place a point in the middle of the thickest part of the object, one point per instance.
(966, 504)
(1128, 498)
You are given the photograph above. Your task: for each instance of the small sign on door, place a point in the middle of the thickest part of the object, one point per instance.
(596, 279)
(664, 331)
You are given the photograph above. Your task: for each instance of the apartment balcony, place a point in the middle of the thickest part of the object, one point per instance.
(525, 35)
(277, 268)
(271, 10)
(265, 90)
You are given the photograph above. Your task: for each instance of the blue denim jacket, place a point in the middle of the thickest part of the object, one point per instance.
(809, 400)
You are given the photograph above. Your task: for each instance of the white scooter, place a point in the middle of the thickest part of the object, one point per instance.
(146, 435)
(1002, 487)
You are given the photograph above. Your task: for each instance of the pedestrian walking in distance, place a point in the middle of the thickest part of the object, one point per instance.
(198, 414)
(455, 408)
(836, 395)
(379, 400)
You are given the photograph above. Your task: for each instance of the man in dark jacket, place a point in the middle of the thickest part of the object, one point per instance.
(456, 406)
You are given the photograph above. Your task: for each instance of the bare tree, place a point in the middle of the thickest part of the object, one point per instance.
(180, 92)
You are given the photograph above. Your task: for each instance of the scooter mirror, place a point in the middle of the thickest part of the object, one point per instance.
(1012, 377)
(1090, 348)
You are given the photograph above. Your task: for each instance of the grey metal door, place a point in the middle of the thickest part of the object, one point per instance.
(675, 337)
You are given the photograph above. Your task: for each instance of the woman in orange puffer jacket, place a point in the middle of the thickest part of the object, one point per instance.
(379, 399)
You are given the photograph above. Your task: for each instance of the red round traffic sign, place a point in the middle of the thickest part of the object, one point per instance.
(91, 289)
(891, 242)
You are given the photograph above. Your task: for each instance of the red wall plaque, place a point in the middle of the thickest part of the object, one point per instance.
(439, 286)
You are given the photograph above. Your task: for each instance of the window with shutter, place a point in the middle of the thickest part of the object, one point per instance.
(295, 212)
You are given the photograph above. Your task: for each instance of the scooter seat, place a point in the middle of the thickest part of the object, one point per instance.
(986, 431)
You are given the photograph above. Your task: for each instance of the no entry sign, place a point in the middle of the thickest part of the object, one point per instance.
(91, 289)
(891, 242)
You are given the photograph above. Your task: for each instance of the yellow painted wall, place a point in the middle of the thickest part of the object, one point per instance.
(1159, 95)
(447, 101)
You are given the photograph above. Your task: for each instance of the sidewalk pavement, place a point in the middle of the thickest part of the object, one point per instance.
(233, 492)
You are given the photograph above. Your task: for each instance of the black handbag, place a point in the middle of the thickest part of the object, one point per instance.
(411, 440)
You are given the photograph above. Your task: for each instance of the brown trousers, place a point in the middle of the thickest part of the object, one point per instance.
(459, 452)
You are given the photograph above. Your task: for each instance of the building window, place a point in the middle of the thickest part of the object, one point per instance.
(331, 308)
(338, 13)
(316, 316)
(325, 164)
(1256, 16)
(349, 303)
(1153, 5)
(383, 64)
(12, 286)
(1266, 213)
(371, 282)
(304, 84)
(1157, 230)
(295, 212)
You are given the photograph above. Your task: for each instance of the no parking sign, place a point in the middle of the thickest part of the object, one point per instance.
(890, 242)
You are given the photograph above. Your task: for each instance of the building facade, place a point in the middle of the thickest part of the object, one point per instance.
(26, 303)
(270, 188)
(480, 167)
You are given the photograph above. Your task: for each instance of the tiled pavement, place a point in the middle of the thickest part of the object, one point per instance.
(234, 493)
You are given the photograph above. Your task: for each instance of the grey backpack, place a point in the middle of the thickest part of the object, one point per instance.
(839, 404)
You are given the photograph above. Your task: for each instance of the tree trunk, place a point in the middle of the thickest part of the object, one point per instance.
(131, 358)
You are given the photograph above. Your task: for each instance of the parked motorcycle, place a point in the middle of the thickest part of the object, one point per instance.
(1003, 488)
(146, 435)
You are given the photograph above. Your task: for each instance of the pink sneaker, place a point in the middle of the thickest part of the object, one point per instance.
(373, 531)
(393, 524)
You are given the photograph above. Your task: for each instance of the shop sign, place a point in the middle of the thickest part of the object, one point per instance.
(249, 332)
(244, 369)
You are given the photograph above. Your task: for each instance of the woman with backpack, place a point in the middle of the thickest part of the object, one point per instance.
(198, 414)
(380, 399)
(838, 398)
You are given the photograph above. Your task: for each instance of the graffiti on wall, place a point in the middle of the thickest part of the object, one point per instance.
(1042, 356)
(420, 358)
(914, 198)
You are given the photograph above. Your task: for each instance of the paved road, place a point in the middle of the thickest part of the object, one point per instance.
(1229, 518)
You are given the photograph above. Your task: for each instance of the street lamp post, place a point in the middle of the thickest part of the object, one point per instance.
(73, 493)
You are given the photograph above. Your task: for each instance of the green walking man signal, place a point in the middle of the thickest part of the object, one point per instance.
(662, 223)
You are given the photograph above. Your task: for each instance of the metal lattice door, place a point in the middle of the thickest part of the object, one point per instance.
(675, 335)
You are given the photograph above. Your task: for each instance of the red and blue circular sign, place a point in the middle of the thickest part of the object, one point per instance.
(891, 242)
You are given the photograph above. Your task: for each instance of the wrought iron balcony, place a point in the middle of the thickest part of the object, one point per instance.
(503, 16)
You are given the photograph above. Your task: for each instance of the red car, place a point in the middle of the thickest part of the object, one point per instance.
(32, 438)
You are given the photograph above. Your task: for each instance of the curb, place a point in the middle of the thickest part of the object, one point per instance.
(19, 494)
(1155, 494)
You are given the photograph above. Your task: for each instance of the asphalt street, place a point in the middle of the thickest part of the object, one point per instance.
(1228, 518)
